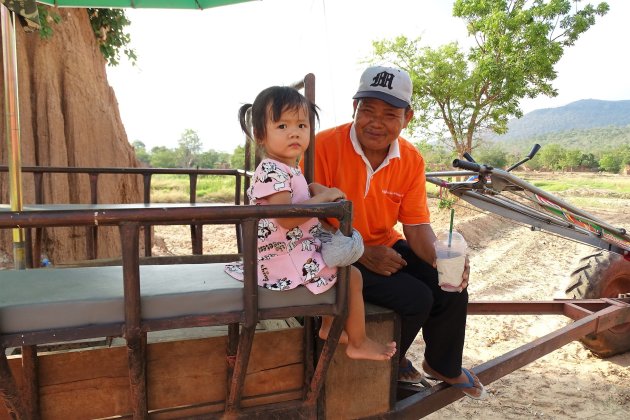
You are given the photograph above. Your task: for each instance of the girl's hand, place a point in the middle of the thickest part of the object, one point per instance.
(325, 194)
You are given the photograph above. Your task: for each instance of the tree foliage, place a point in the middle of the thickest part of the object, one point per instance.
(109, 26)
(517, 44)
(141, 152)
(189, 148)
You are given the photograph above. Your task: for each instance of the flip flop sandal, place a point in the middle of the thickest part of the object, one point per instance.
(471, 385)
(413, 376)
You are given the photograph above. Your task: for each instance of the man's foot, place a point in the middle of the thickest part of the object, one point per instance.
(408, 374)
(323, 334)
(467, 382)
(371, 350)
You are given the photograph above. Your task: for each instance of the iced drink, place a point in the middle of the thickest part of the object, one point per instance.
(450, 260)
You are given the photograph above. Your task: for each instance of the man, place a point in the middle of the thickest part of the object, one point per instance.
(384, 177)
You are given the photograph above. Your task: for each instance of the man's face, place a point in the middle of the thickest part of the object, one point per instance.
(378, 124)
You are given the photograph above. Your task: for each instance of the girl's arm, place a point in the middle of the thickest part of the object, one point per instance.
(323, 195)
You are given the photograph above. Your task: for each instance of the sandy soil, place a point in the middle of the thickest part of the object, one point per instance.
(509, 262)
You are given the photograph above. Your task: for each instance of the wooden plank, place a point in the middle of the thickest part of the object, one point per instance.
(95, 383)
(361, 388)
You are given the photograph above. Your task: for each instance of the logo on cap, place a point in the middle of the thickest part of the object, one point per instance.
(387, 84)
(383, 79)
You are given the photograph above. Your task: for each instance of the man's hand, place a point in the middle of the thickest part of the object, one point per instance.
(382, 260)
(465, 274)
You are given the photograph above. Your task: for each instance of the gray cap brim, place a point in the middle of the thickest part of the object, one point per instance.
(392, 100)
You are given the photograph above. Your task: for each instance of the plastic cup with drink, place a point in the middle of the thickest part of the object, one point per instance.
(450, 250)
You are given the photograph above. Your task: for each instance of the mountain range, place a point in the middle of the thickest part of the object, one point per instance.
(587, 124)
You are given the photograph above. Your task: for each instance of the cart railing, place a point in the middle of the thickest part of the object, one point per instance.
(33, 245)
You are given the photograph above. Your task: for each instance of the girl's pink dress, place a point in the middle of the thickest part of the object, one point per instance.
(287, 258)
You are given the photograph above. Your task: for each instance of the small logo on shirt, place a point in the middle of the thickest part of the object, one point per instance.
(392, 193)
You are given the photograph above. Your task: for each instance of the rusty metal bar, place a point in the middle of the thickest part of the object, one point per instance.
(515, 308)
(91, 237)
(341, 313)
(146, 195)
(309, 155)
(432, 399)
(326, 355)
(309, 352)
(29, 249)
(123, 170)
(250, 315)
(232, 347)
(196, 231)
(237, 201)
(36, 245)
(235, 390)
(30, 372)
(250, 275)
(136, 338)
(166, 214)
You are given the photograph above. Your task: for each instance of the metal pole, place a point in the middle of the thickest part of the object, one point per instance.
(12, 128)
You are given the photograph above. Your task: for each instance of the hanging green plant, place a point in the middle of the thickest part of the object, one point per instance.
(109, 26)
(46, 19)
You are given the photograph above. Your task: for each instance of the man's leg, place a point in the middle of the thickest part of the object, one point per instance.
(405, 295)
(445, 328)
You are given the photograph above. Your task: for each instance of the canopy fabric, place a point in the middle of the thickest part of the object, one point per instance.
(142, 4)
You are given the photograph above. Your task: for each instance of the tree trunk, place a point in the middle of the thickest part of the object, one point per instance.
(68, 117)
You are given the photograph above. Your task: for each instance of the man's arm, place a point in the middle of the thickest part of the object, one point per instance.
(420, 239)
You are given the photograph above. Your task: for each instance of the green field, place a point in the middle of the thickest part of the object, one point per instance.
(588, 189)
(176, 189)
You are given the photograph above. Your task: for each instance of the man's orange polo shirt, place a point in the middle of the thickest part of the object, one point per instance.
(396, 191)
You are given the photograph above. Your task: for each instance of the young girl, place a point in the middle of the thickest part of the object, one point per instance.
(288, 251)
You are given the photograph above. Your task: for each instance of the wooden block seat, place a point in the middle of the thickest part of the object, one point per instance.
(56, 298)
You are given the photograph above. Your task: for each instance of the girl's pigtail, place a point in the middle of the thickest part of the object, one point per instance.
(242, 119)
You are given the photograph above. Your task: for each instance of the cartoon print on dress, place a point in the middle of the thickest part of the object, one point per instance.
(235, 267)
(315, 230)
(309, 245)
(296, 171)
(294, 235)
(310, 270)
(265, 227)
(271, 173)
(266, 257)
(281, 284)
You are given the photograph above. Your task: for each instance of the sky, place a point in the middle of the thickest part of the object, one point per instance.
(196, 68)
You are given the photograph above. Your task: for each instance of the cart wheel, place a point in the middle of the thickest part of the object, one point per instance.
(603, 274)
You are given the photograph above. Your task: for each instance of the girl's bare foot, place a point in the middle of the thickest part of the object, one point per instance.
(323, 334)
(371, 350)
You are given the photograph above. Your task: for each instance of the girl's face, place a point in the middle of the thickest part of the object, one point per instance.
(287, 138)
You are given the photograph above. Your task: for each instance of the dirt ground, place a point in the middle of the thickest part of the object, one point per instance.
(508, 262)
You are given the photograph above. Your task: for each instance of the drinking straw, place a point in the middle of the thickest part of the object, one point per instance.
(450, 228)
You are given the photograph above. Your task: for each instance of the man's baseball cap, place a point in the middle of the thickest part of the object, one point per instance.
(386, 83)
